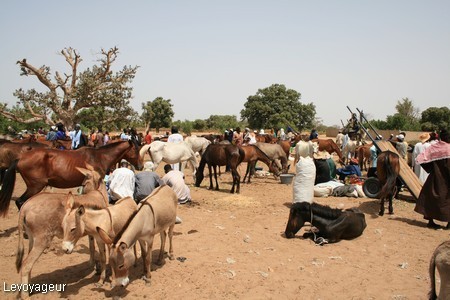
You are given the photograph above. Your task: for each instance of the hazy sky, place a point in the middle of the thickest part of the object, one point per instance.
(209, 56)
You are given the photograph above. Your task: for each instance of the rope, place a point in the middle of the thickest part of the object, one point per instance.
(319, 241)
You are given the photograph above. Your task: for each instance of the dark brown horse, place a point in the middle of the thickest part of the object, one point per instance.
(221, 155)
(333, 224)
(388, 169)
(330, 146)
(58, 168)
(252, 155)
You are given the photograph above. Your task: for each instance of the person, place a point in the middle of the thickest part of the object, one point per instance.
(148, 138)
(41, 131)
(313, 135)
(230, 135)
(175, 137)
(282, 135)
(124, 135)
(76, 136)
(100, 139)
(61, 132)
(339, 139)
(402, 146)
(290, 133)
(350, 169)
(106, 138)
(145, 182)
(252, 137)
(391, 137)
(175, 179)
(434, 198)
(354, 123)
(93, 137)
(121, 182)
(246, 135)
(51, 135)
(419, 148)
(238, 138)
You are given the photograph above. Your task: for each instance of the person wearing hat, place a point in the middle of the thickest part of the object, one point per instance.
(339, 139)
(145, 182)
(434, 198)
(350, 169)
(121, 182)
(419, 148)
(402, 146)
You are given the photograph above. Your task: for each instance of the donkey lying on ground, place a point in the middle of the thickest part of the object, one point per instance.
(156, 214)
(41, 217)
(82, 219)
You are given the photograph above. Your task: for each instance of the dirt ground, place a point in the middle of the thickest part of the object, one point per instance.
(234, 248)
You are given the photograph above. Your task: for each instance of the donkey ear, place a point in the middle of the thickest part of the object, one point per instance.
(80, 211)
(123, 247)
(70, 201)
(83, 171)
(104, 236)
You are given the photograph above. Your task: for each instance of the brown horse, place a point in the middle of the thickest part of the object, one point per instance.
(221, 155)
(388, 168)
(10, 151)
(363, 154)
(330, 146)
(58, 168)
(252, 155)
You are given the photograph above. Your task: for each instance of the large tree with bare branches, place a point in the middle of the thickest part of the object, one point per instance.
(67, 95)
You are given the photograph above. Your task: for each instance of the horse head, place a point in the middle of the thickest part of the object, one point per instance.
(133, 155)
(298, 215)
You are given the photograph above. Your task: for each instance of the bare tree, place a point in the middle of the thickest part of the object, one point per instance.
(67, 95)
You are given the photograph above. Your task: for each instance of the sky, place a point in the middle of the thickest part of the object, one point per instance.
(209, 56)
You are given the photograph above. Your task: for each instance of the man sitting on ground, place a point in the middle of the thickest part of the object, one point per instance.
(121, 182)
(175, 179)
(145, 182)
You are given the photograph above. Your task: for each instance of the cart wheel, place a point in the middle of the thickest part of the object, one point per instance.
(372, 187)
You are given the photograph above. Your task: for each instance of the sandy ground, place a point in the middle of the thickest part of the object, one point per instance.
(234, 248)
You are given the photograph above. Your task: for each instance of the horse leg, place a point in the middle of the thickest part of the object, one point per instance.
(210, 177)
(391, 208)
(381, 213)
(215, 177)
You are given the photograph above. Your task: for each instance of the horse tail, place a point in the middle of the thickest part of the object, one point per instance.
(20, 249)
(7, 188)
(391, 174)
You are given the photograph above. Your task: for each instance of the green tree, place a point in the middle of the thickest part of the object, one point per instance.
(199, 124)
(407, 109)
(67, 95)
(158, 112)
(435, 118)
(276, 107)
(222, 122)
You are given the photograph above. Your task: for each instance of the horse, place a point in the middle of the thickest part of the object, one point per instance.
(363, 154)
(388, 169)
(10, 151)
(252, 155)
(333, 224)
(305, 149)
(58, 168)
(286, 145)
(197, 144)
(330, 146)
(263, 138)
(221, 155)
(275, 152)
(170, 153)
(349, 151)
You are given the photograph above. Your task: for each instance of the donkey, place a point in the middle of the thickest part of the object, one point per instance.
(275, 152)
(41, 217)
(156, 214)
(440, 260)
(82, 218)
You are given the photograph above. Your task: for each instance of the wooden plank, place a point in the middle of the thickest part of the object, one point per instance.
(406, 173)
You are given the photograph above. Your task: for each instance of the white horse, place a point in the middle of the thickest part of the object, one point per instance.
(349, 151)
(305, 149)
(170, 153)
(197, 144)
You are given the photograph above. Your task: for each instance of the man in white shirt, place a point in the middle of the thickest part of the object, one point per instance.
(121, 182)
(175, 137)
(175, 179)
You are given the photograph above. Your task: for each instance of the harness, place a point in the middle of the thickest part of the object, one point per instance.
(319, 241)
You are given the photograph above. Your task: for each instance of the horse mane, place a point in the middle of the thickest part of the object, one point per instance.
(260, 151)
(323, 211)
(130, 219)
